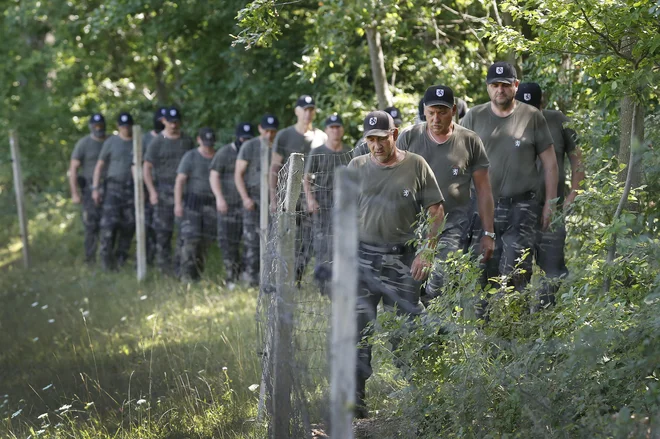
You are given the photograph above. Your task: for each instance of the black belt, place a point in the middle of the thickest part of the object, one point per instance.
(525, 196)
(392, 249)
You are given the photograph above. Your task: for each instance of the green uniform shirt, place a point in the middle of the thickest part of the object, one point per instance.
(147, 138)
(564, 141)
(512, 144)
(289, 141)
(165, 154)
(224, 162)
(321, 163)
(391, 197)
(196, 167)
(452, 162)
(87, 152)
(118, 157)
(251, 152)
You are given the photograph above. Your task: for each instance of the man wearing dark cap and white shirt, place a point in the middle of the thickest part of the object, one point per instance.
(395, 186)
(118, 215)
(147, 137)
(549, 249)
(361, 147)
(160, 164)
(228, 201)
(514, 136)
(85, 154)
(197, 208)
(247, 177)
(318, 182)
(299, 138)
(458, 159)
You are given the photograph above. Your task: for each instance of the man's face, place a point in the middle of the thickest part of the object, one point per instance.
(381, 148)
(306, 115)
(126, 130)
(267, 134)
(439, 118)
(502, 94)
(97, 129)
(335, 133)
(172, 127)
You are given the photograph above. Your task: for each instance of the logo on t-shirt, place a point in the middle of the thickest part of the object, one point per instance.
(406, 192)
(517, 143)
(454, 171)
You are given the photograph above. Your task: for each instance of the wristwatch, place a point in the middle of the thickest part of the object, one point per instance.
(490, 234)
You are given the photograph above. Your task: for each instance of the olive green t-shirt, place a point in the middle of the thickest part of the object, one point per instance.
(147, 138)
(251, 152)
(196, 167)
(512, 144)
(164, 154)
(87, 152)
(224, 162)
(564, 141)
(289, 141)
(391, 197)
(321, 164)
(452, 162)
(118, 157)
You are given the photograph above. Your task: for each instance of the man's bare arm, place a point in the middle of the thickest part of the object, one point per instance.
(549, 160)
(179, 184)
(486, 208)
(239, 178)
(147, 167)
(73, 180)
(577, 174)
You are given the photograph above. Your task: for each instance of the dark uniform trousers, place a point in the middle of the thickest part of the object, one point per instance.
(251, 243)
(230, 230)
(384, 274)
(322, 233)
(198, 230)
(164, 224)
(91, 217)
(549, 252)
(304, 243)
(117, 223)
(149, 229)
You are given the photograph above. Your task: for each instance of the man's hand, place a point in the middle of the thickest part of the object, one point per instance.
(248, 204)
(153, 198)
(178, 210)
(487, 247)
(312, 205)
(419, 269)
(75, 198)
(96, 196)
(221, 205)
(547, 215)
(569, 199)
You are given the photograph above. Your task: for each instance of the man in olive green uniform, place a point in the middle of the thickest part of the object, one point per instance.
(299, 138)
(85, 154)
(197, 210)
(147, 137)
(361, 147)
(458, 159)
(395, 186)
(318, 182)
(247, 177)
(549, 248)
(118, 217)
(514, 136)
(160, 166)
(228, 201)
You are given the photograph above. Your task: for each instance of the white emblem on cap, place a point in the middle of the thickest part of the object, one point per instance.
(527, 96)
(439, 92)
(308, 99)
(333, 117)
(209, 135)
(271, 120)
(172, 112)
(517, 143)
(372, 121)
(246, 128)
(395, 113)
(97, 117)
(499, 70)
(124, 118)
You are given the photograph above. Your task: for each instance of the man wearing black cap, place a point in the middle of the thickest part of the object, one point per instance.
(549, 249)
(361, 147)
(247, 177)
(299, 138)
(514, 136)
(395, 186)
(85, 154)
(118, 214)
(147, 137)
(197, 211)
(318, 182)
(458, 159)
(160, 164)
(228, 201)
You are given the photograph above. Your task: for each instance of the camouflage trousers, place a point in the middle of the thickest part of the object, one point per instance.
(304, 243)
(230, 230)
(150, 240)
(384, 274)
(322, 232)
(198, 230)
(251, 244)
(549, 253)
(91, 218)
(117, 223)
(164, 225)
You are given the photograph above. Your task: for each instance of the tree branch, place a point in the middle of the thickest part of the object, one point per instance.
(602, 35)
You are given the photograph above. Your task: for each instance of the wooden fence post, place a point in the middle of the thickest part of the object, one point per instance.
(20, 199)
(138, 180)
(343, 353)
(286, 276)
(264, 196)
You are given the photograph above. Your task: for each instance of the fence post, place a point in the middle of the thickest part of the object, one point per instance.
(138, 180)
(343, 353)
(286, 276)
(264, 197)
(20, 199)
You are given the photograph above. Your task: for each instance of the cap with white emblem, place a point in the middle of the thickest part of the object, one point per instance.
(529, 93)
(305, 101)
(269, 122)
(378, 123)
(96, 118)
(173, 114)
(334, 120)
(124, 119)
(244, 130)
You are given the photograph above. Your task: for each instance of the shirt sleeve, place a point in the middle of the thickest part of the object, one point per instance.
(216, 162)
(466, 122)
(311, 162)
(431, 193)
(185, 165)
(106, 150)
(542, 136)
(78, 151)
(402, 142)
(150, 154)
(244, 152)
(479, 156)
(279, 147)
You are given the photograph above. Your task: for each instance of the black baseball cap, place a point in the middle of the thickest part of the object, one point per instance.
(501, 71)
(160, 113)
(305, 101)
(529, 93)
(244, 130)
(96, 118)
(396, 115)
(173, 114)
(461, 108)
(269, 122)
(378, 123)
(420, 110)
(124, 119)
(334, 120)
(207, 135)
(439, 95)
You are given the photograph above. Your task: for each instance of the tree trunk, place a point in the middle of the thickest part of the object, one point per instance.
(626, 126)
(161, 88)
(378, 68)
